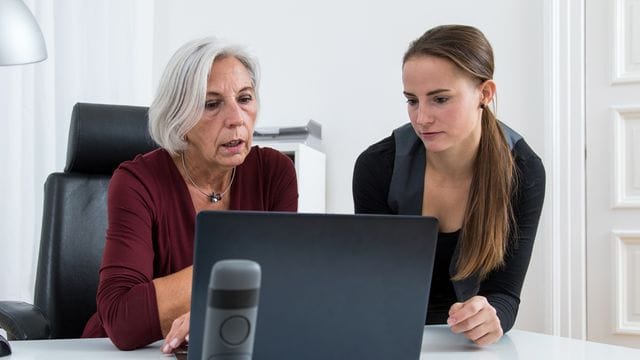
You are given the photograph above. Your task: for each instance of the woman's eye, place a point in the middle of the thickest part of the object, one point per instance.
(440, 99)
(245, 99)
(211, 105)
(412, 102)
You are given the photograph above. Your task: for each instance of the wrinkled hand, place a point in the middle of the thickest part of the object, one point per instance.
(178, 333)
(476, 319)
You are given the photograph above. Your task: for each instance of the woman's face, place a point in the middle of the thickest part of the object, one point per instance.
(224, 134)
(443, 103)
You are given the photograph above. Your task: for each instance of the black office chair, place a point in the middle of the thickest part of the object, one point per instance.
(74, 223)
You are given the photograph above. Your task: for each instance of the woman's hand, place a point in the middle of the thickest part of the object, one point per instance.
(476, 319)
(178, 334)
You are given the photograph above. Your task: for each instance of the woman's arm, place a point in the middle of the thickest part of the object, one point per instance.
(126, 300)
(135, 305)
(485, 317)
(173, 294)
(371, 178)
(502, 287)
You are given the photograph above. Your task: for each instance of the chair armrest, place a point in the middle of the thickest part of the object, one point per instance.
(23, 321)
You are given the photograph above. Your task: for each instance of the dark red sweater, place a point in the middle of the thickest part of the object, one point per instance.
(150, 234)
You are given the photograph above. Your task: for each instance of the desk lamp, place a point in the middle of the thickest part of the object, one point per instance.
(21, 42)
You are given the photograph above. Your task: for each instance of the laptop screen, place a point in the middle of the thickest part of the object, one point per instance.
(333, 286)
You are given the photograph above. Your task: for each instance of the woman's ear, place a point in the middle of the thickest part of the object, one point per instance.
(487, 91)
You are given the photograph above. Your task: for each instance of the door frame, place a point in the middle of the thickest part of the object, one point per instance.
(565, 149)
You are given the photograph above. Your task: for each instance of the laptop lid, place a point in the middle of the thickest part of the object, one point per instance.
(333, 286)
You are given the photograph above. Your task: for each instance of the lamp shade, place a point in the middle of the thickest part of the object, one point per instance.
(21, 41)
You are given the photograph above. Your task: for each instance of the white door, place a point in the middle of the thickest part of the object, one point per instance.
(613, 171)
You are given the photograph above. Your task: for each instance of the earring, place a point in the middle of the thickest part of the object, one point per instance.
(482, 106)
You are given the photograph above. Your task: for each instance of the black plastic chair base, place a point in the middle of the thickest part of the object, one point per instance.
(5, 348)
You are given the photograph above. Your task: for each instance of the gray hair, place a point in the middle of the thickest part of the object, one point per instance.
(179, 101)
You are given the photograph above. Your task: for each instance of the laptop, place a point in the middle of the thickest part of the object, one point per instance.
(333, 286)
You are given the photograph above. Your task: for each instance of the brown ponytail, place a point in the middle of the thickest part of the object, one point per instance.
(488, 216)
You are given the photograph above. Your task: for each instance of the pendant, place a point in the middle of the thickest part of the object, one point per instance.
(215, 197)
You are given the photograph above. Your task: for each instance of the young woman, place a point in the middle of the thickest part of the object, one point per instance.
(455, 161)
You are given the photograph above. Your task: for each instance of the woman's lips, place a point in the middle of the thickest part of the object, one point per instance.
(431, 135)
(234, 146)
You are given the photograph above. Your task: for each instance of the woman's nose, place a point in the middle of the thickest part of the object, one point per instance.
(234, 116)
(424, 115)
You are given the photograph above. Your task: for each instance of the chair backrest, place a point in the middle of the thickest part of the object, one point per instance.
(75, 217)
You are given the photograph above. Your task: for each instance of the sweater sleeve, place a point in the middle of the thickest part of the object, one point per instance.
(126, 300)
(371, 178)
(502, 287)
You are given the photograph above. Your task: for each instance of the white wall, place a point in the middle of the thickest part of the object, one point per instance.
(339, 62)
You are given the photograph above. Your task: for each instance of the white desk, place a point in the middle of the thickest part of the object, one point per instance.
(76, 349)
(438, 343)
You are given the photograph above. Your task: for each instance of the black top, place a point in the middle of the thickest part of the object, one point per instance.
(371, 183)
(442, 294)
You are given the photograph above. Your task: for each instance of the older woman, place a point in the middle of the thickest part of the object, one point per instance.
(202, 117)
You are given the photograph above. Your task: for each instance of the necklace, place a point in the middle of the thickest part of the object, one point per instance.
(214, 197)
